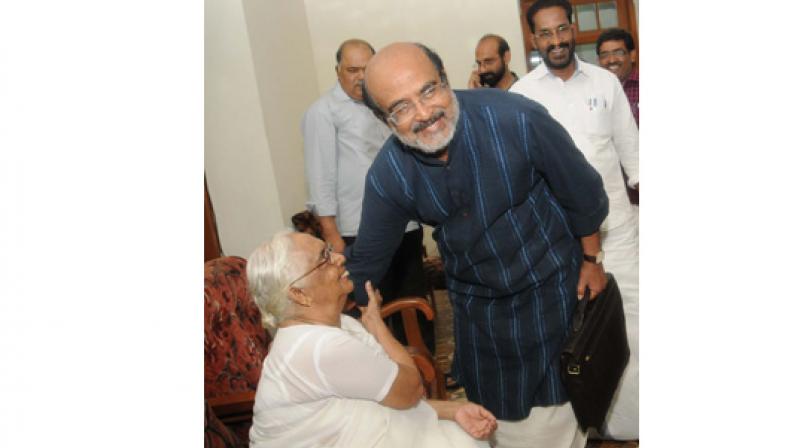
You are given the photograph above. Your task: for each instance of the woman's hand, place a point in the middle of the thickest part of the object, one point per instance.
(475, 420)
(371, 314)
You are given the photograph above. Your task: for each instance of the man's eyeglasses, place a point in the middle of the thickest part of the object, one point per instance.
(618, 52)
(402, 112)
(546, 34)
(326, 258)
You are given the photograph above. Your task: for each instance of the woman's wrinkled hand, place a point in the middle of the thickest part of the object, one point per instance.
(371, 314)
(476, 420)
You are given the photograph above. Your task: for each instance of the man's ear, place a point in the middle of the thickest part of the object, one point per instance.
(507, 57)
(634, 56)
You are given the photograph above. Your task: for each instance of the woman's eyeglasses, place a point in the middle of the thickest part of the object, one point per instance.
(326, 258)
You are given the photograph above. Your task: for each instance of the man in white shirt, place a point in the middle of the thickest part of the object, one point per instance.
(591, 105)
(341, 139)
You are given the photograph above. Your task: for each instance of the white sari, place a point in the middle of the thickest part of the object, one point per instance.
(321, 387)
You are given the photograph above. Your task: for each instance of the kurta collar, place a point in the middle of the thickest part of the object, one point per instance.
(541, 71)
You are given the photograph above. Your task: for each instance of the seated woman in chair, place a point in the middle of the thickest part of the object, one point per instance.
(330, 380)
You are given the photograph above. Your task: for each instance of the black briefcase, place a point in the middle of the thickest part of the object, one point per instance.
(595, 355)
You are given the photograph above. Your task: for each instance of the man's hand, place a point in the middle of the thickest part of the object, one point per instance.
(594, 276)
(474, 80)
(337, 242)
(330, 233)
(476, 420)
(591, 274)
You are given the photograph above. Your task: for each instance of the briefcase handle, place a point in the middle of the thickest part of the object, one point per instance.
(580, 311)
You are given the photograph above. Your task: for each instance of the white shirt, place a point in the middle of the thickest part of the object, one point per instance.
(321, 387)
(594, 110)
(341, 138)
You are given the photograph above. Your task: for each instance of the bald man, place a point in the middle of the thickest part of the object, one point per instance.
(341, 138)
(516, 209)
(492, 59)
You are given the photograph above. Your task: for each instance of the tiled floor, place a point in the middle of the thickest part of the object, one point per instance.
(444, 352)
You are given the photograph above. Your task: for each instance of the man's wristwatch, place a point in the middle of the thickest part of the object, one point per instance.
(596, 259)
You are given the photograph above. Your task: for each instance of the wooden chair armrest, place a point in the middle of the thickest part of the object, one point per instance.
(235, 407)
(432, 379)
(407, 303)
(408, 307)
(424, 364)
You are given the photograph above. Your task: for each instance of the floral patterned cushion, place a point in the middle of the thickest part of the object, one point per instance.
(235, 341)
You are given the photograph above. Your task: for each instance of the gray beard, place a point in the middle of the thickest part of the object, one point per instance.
(414, 142)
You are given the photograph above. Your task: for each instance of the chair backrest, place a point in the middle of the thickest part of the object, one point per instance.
(235, 341)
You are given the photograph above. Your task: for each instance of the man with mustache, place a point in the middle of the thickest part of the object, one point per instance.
(516, 210)
(341, 137)
(590, 103)
(616, 52)
(492, 56)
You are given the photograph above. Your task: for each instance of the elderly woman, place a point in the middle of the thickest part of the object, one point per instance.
(330, 380)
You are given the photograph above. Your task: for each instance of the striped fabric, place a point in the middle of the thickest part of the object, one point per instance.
(506, 207)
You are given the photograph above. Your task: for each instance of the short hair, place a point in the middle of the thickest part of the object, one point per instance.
(615, 34)
(502, 45)
(351, 42)
(435, 60)
(542, 4)
(269, 273)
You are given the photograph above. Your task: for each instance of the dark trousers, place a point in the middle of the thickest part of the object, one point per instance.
(405, 277)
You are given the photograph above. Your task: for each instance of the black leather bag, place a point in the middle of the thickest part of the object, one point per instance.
(595, 355)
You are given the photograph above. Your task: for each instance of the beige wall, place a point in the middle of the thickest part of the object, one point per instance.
(255, 92)
(452, 28)
(285, 75)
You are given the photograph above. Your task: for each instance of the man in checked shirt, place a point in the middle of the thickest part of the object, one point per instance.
(616, 52)
(516, 209)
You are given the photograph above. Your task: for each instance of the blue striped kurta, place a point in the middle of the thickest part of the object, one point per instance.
(507, 208)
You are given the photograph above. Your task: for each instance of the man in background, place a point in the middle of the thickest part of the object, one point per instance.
(341, 139)
(616, 52)
(492, 56)
(589, 102)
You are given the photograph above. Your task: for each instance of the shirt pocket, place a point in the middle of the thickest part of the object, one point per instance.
(597, 117)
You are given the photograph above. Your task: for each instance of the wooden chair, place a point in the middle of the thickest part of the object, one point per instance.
(431, 374)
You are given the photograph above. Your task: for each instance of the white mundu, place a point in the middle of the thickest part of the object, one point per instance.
(321, 387)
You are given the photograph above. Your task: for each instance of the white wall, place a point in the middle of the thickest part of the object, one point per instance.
(451, 28)
(259, 77)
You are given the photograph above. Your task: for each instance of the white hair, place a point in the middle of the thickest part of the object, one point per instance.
(270, 269)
